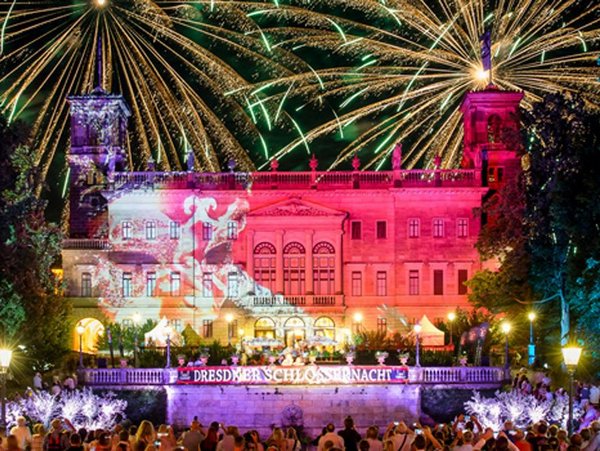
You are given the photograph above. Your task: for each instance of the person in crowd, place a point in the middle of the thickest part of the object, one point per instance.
(521, 443)
(145, 436)
(350, 435)
(22, 432)
(372, 439)
(238, 443)
(57, 439)
(400, 436)
(228, 441)
(330, 434)
(212, 438)
(293, 444)
(37, 439)
(166, 438)
(192, 439)
(278, 440)
(12, 443)
(75, 443)
(123, 444)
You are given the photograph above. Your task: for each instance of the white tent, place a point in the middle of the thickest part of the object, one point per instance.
(158, 335)
(430, 335)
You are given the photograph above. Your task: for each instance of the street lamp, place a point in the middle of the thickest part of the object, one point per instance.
(80, 331)
(168, 331)
(417, 328)
(5, 357)
(229, 319)
(137, 319)
(506, 329)
(531, 347)
(358, 318)
(451, 318)
(571, 357)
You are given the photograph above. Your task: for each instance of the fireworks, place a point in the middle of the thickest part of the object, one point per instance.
(398, 70)
(173, 62)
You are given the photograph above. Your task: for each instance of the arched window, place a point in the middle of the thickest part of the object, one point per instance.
(324, 327)
(324, 268)
(294, 330)
(264, 266)
(294, 274)
(264, 327)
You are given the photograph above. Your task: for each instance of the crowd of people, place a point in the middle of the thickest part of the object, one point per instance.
(465, 433)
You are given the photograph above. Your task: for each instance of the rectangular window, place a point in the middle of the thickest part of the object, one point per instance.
(174, 230)
(382, 325)
(413, 282)
(151, 284)
(86, 285)
(207, 232)
(500, 174)
(127, 230)
(414, 228)
(462, 227)
(381, 230)
(463, 276)
(438, 282)
(207, 328)
(491, 174)
(356, 230)
(438, 228)
(233, 290)
(175, 284)
(381, 288)
(150, 230)
(356, 283)
(207, 285)
(232, 230)
(126, 285)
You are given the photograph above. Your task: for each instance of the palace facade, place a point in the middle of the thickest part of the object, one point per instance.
(284, 255)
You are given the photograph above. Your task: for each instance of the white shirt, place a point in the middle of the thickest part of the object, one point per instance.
(336, 439)
(23, 435)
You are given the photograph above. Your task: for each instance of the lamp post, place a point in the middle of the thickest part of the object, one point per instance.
(5, 358)
(451, 318)
(571, 355)
(531, 347)
(80, 331)
(358, 318)
(136, 321)
(229, 319)
(168, 355)
(506, 329)
(417, 328)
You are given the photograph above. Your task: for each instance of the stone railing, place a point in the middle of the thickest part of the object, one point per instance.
(302, 300)
(83, 243)
(424, 375)
(298, 180)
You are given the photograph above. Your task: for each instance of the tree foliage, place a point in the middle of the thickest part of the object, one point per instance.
(38, 315)
(547, 225)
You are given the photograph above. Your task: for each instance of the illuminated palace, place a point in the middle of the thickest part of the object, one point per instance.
(284, 255)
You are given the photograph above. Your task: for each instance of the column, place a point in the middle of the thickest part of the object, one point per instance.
(308, 244)
(279, 261)
(339, 269)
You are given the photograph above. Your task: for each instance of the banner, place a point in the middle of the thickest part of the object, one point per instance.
(292, 375)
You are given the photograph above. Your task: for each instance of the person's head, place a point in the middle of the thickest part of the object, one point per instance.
(123, 436)
(232, 430)
(145, 432)
(363, 445)
(162, 429)
(576, 440)
(508, 425)
(75, 439)
(238, 442)
(372, 432)
(277, 434)
(21, 421)
(133, 430)
(328, 445)
(38, 428)
(542, 429)
(586, 434)
(420, 442)
(195, 425)
(501, 443)
(12, 442)
(468, 436)
(519, 434)
(291, 433)
(104, 440)
(330, 427)
(56, 424)
(214, 426)
(348, 422)
(552, 430)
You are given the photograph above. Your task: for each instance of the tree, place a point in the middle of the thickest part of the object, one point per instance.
(545, 237)
(29, 248)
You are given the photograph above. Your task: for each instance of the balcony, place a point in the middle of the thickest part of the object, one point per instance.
(296, 301)
(85, 243)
